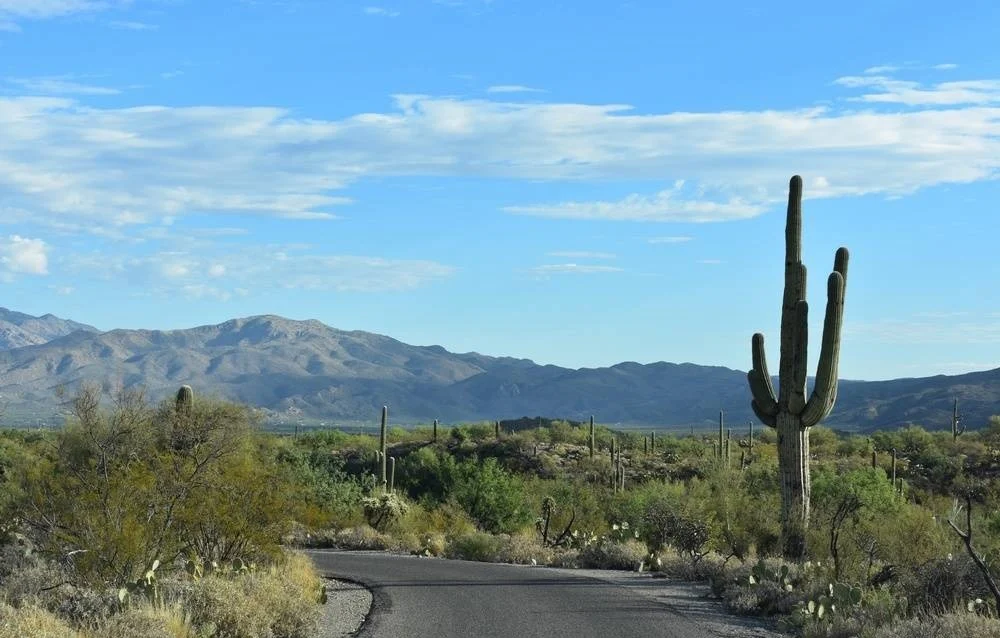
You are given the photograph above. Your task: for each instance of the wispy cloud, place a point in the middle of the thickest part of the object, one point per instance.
(945, 67)
(60, 85)
(670, 205)
(381, 11)
(670, 239)
(930, 328)
(885, 89)
(14, 11)
(258, 269)
(512, 88)
(581, 254)
(885, 68)
(73, 162)
(132, 25)
(574, 269)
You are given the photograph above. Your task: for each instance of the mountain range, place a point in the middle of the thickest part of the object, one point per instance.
(308, 370)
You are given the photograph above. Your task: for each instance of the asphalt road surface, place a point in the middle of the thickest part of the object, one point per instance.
(438, 598)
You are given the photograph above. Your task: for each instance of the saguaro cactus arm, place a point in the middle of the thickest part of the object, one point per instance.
(824, 394)
(765, 402)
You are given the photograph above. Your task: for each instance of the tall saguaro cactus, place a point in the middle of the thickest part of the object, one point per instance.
(790, 412)
(957, 429)
(382, 443)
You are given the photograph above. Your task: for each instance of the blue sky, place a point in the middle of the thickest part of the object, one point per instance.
(580, 183)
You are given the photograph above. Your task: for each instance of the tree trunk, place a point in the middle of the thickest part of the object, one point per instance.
(793, 462)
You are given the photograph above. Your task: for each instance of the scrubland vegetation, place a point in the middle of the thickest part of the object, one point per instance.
(176, 521)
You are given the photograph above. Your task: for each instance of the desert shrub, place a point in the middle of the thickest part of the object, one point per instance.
(477, 546)
(493, 497)
(363, 537)
(523, 549)
(610, 554)
(944, 585)
(123, 487)
(767, 598)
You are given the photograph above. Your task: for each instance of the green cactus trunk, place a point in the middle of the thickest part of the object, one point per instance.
(652, 442)
(185, 400)
(593, 438)
(789, 411)
(382, 446)
(434, 434)
(392, 474)
(722, 426)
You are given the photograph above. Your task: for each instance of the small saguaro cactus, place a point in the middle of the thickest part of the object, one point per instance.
(185, 399)
(893, 466)
(790, 412)
(593, 438)
(652, 441)
(496, 428)
(722, 428)
(392, 474)
(434, 435)
(957, 429)
(382, 444)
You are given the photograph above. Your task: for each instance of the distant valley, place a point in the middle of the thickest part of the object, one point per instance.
(308, 370)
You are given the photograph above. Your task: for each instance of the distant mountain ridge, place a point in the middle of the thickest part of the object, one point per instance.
(18, 329)
(308, 368)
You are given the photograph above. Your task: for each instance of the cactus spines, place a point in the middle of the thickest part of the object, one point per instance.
(789, 411)
(957, 429)
(593, 438)
(185, 399)
(434, 435)
(382, 445)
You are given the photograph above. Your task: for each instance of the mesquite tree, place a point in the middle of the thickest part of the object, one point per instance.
(789, 412)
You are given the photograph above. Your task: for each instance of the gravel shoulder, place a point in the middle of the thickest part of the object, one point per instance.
(347, 606)
(690, 599)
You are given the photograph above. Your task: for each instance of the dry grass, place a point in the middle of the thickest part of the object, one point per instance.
(32, 621)
(274, 602)
(946, 626)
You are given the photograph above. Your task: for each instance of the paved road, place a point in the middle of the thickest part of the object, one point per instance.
(418, 597)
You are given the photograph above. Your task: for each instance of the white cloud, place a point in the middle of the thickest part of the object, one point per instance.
(672, 239)
(60, 85)
(573, 269)
(381, 11)
(22, 255)
(63, 290)
(512, 88)
(216, 270)
(581, 254)
(945, 67)
(70, 163)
